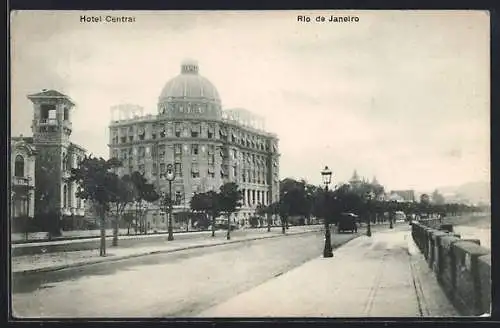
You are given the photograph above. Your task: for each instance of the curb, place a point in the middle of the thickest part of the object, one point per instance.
(125, 257)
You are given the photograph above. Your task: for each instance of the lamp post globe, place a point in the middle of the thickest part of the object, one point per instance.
(326, 174)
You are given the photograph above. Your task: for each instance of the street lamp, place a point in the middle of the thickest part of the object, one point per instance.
(326, 174)
(391, 215)
(170, 176)
(369, 197)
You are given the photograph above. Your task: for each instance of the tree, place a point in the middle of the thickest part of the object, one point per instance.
(261, 211)
(424, 204)
(129, 219)
(144, 195)
(437, 198)
(98, 184)
(125, 195)
(229, 202)
(207, 203)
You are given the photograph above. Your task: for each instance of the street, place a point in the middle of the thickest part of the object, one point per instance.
(177, 284)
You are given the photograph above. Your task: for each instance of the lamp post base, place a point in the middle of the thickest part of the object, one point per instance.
(327, 253)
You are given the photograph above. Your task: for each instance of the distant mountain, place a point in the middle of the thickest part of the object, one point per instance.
(474, 192)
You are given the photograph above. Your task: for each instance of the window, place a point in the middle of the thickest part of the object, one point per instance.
(154, 169)
(65, 196)
(19, 166)
(178, 149)
(69, 165)
(234, 154)
(162, 168)
(178, 198)
(211, 159)
(178, 169)
(177, 130)
(211, 172)
(64, 162)
(141, 132)
(48, 113)
(243, 176)
(78, 202)
(195, 173)
(195, 130)
(194, 149)
(210, 132)
(123, 136)
(253, 196)
(142, 152)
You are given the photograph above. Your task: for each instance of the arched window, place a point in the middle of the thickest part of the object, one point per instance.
(65, 196)
(19, 166)
(64, 161)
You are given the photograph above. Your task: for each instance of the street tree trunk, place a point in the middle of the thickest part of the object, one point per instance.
(102, 248)
(268, 222)
(213, 225)
(283, 228)
(228, 237)
(115, 228)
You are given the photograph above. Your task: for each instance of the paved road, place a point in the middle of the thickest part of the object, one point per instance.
(124, 241)
(177, 284)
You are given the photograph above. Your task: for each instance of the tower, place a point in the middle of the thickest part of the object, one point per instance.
(51, 127)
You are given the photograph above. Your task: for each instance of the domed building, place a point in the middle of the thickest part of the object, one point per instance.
(206, 145)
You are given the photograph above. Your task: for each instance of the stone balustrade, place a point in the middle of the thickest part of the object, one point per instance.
(462, 267)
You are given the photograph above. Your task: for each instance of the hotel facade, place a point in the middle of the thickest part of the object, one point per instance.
(207, 146)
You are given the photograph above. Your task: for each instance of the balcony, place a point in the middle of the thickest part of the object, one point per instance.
(73, 211)
(48, 121)
(21, 181)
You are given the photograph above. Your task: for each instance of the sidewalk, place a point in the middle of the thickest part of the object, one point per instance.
(381, 276)
(62, 260)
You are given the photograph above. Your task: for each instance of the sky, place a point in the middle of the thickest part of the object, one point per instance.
(400, 95)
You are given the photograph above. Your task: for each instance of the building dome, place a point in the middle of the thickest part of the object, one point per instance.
(189, 85)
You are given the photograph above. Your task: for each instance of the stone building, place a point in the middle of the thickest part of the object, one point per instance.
(22, 163)
(206, 145)
(48, 157)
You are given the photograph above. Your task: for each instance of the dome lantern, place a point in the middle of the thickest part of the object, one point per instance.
(189, 66)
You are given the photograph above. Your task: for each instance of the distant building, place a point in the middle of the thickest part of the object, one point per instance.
(45, 160)
(355, 181)
(404, 195)
(206, 145)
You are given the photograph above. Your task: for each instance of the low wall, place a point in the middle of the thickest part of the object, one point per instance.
(462, 267)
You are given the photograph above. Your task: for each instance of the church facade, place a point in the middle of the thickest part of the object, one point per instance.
(207, 146)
